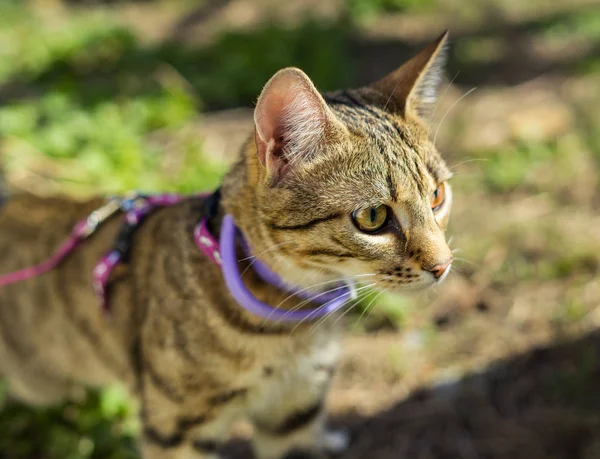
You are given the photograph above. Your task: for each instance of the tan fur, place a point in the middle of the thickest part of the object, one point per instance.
(191, 355)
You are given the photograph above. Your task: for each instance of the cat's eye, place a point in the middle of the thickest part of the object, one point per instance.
(438, 197)
(370, 219)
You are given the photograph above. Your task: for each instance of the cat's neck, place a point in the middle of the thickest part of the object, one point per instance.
(239, 199)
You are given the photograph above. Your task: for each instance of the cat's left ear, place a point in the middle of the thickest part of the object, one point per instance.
(413, 88)
(292, 122)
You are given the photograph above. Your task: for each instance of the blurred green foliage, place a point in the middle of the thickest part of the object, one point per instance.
(102, 426)
(87, 95)
(366, 9)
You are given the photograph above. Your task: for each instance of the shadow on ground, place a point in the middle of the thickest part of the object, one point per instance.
(544, 404)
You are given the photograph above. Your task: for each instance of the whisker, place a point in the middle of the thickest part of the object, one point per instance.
(348, 309)
(265, 251)
(357, 300)
(449, 110)
(310, 287)
(316, 310)
(305, 301)
(256, 257)
(469, 161)
(456, 271)
(371, 302)
(438, 102)
(308, 300)
(391, 95)
(356, 304)
(466, 261)
(369, 308)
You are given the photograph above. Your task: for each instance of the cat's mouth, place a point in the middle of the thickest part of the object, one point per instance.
(402, 280)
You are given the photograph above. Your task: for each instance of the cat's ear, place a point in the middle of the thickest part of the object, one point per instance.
(291, 120)
(413, 88)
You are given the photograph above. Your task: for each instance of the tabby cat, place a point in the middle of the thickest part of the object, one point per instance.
(338, 186)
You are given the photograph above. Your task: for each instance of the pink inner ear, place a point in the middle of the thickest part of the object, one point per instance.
(290, 119)
(269, 115)
(269, 123)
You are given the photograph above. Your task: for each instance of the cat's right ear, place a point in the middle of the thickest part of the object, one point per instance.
(291, 120)
(413, 88)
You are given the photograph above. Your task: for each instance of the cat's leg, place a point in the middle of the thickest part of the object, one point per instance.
(201, 441)
(186, 430)
(292, 423)
(298, 433)
(301, 434)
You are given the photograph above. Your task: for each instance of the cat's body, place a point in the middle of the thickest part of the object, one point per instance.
(189, 352)
(195, 359)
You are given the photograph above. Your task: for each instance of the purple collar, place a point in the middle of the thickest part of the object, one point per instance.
(224, 255)
(135, 209)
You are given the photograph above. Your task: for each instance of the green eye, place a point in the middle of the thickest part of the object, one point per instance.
(371, 218)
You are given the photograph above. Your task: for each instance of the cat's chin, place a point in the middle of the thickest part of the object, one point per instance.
(413, 287)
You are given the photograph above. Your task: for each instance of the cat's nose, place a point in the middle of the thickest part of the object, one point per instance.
(439, 269)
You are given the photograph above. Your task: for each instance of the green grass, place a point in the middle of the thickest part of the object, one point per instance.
(87, 98)
(102, 425)
(369, 9)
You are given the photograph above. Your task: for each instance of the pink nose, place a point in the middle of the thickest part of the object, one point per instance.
(439, 270)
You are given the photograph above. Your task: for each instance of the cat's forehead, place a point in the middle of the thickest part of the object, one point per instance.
(355, 109)
(368, 176)
(389, 137)
(381, 157)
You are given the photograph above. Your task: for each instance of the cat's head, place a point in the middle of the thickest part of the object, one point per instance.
(349, 184)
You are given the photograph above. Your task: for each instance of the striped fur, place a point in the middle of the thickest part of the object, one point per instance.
(192, 357)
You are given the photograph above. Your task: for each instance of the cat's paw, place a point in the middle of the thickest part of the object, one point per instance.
(336, 441)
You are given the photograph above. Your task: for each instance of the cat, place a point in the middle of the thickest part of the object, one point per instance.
(330, 187)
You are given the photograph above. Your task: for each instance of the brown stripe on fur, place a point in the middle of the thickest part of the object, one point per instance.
(175, 439)
(295, 421)
(173, 274)
(160, 383)
(327, 253)
(82, 324)
(206, 446)
(164, 441)
(233, 315)
(226, 397)
(304, 226)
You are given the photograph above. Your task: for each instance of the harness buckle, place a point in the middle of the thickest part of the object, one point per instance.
(133, 201)
(99, 216)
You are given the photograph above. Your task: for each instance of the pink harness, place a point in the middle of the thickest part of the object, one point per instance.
(135, 208)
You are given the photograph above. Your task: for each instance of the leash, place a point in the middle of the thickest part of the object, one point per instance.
(223, 253)
(82, 230)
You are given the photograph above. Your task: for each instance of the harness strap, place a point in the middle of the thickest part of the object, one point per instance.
(82, 230)
(136, 208)
(222, 253)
